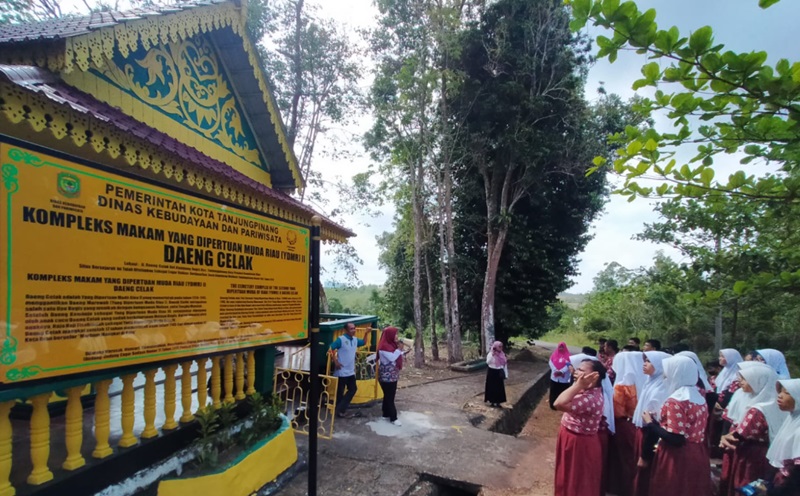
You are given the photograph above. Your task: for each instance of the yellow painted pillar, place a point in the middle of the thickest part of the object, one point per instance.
(239, 377)
(128, 408)
(150, 430)
(169, 398)
(202, 386)
(6, 489)
(102, 414)
(73, 437)
(40, 440)
(186, 392)
(251, 372)
(228, 371)
(215, 383)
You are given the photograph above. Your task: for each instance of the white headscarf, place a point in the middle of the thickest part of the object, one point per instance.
(786, 445)
(737, 405)
(608, 390)
(654, 393)
(681, 374)
(776, 360)
(701, 371)
(762, 379)
(730, 370)
(628, 367)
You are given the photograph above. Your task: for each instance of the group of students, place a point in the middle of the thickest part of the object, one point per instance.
(646, 422)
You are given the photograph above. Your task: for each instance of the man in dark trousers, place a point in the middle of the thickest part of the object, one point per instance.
(345, 361)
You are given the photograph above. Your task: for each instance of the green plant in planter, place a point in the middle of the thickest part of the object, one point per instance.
(265, 418)
(208, 425)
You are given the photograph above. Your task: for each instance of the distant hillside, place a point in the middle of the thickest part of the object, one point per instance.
(573, 300)
(353, 300)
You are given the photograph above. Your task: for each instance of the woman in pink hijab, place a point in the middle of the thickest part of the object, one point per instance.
(495, 390)
(560, 376)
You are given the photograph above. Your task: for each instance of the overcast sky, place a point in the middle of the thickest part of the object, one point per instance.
(739, 24)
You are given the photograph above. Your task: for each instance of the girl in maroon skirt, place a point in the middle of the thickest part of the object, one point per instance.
(579, 463)
(749, 441)
(680, 465)
(654, 394)
(622, 453)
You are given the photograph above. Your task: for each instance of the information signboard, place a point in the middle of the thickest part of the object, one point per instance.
(101, 271)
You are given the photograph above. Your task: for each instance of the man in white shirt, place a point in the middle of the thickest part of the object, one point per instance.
(345, 361)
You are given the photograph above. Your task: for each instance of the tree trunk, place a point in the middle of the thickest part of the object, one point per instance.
(416, 205)
(448, 328)
(456, 352)
(735, 321)
(489, 286)
(431, 308)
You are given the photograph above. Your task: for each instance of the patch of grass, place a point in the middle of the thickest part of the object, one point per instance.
(571, 338)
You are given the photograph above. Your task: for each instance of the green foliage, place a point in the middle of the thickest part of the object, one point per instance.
(722, 101)
(265, 417)
(207, 445)
(215, 426)
(738, 228)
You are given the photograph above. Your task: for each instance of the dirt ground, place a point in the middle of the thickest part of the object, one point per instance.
(534, 473)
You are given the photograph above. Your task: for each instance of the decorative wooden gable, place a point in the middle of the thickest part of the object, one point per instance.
(189, 71)
(180, 88)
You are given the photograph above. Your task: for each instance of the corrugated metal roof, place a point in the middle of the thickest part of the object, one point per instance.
(69, 26)
(42, 81)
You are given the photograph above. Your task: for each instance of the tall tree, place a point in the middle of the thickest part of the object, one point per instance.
(403, 136)
(519, 101)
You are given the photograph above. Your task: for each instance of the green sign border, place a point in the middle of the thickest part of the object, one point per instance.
(8, 352)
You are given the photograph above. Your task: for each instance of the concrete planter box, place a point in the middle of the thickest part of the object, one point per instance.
(251, 471)
(469, 366)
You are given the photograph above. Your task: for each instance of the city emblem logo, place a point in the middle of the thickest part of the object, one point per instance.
(291, 237)
(69, 185)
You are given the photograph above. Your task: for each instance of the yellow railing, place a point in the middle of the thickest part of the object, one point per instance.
(117, 423)
(293, 387)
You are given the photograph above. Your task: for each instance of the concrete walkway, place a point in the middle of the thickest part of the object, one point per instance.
(368, 455)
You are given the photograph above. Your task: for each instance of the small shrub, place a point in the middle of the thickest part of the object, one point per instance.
(208, 451)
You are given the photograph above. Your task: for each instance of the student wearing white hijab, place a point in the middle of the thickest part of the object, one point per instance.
(728, 359)
(774, 359)
(701, 371)
(622, 450)
(680, 465)
(654, 393)
(784, 452)
(755, 427)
